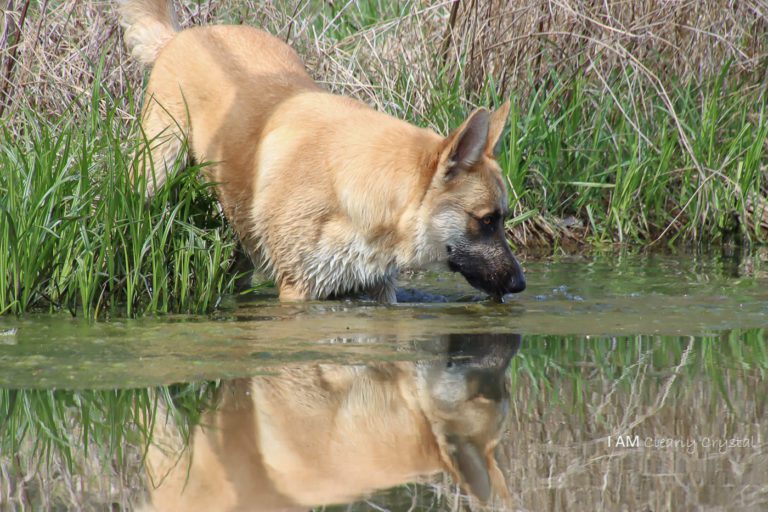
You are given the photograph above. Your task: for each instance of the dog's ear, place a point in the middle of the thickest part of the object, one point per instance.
(470, 467)
(477, 472)
(464, 147)
(496, 127)
(475, 468)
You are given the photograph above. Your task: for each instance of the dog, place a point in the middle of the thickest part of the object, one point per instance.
(328, 196)
(327, 434)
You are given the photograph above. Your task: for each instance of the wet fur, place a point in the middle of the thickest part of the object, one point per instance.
(327, 195)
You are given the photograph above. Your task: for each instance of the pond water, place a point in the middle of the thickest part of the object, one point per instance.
(621, 382)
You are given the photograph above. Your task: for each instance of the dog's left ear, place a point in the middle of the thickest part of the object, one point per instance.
(464, 147)
(477, 472)
(496, 126)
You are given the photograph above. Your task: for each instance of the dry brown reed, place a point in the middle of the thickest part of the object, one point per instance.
(665, 40)
(48, 48)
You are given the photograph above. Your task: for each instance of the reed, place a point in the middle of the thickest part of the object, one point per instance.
(77, 235)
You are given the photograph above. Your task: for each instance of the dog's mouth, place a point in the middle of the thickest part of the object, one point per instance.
(492, 277)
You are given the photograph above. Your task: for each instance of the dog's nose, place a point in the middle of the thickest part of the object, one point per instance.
(516, 283)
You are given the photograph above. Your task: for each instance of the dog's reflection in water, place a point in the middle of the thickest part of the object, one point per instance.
(324, 434)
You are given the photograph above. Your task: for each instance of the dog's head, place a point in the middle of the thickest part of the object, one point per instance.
(467, 402)
(468, 203)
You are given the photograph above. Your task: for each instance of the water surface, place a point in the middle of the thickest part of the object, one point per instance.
(639, 383)
(605, 296)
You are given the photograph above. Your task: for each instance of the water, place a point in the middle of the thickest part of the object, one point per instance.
(639, 383)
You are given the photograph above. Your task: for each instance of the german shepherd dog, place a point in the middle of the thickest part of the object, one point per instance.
(327, 195)
(323, 434)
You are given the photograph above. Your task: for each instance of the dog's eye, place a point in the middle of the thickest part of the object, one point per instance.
(487, 222)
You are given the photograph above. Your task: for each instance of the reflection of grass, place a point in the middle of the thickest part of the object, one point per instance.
(576, 397)
(95, 439)
(724, 360)
(571, 377)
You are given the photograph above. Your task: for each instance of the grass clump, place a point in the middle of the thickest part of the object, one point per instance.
(76, 234)
(689, 166)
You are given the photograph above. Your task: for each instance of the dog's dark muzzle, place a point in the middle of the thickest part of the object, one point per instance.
(515, 283)
(490, 268)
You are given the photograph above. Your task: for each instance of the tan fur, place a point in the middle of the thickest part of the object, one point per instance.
(149, 25)
(327, 195)
(321, 434)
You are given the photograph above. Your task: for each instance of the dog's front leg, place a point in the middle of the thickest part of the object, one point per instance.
(293, 293)
(384, 292)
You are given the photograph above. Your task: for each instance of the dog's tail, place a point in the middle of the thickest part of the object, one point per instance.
(148, 25)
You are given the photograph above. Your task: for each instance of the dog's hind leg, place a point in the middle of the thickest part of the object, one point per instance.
(165, 129)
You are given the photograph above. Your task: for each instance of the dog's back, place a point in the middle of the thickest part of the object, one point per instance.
(246, 105)
(215, 86)
(330, 196)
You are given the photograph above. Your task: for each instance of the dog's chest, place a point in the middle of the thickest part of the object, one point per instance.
(351, 264)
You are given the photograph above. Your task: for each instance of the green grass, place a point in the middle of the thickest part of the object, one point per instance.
(77, 235)
(689, 169)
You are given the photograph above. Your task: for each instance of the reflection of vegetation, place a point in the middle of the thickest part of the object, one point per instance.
(99, 437)
(725, 360)
(576, 397)
(67, 429)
